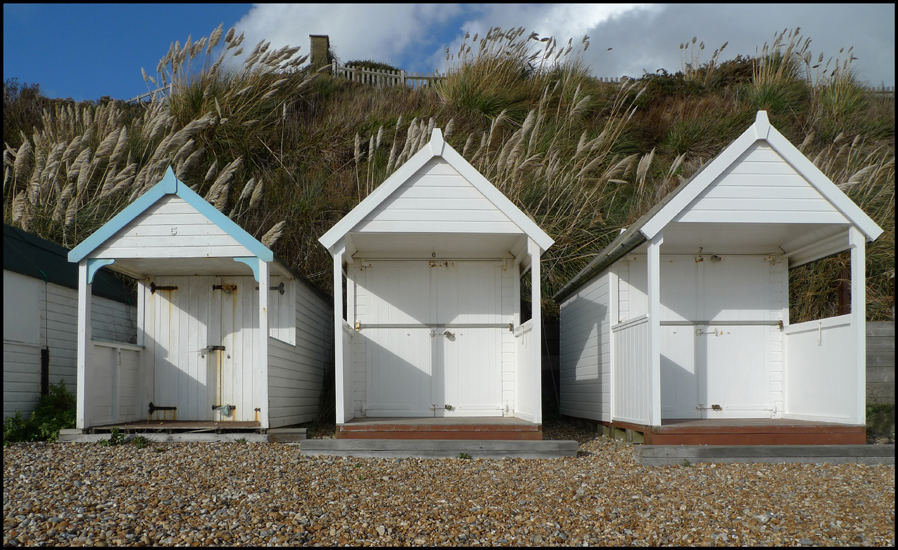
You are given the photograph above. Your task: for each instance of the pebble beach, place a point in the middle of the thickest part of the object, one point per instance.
(253, 494)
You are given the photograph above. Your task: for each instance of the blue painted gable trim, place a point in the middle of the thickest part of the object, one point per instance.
(169, 186)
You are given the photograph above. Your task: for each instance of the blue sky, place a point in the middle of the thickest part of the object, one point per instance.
(86, 51)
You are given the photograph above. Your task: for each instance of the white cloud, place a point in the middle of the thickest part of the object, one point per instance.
(358, 31)
(642, 36)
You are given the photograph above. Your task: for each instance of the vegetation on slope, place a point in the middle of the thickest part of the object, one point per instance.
(286, 152)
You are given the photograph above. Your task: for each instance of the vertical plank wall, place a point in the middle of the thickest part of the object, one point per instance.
(110, 320)
(585, 351)
(296, 372)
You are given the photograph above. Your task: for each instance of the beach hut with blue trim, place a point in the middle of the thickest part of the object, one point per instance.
(210, 346)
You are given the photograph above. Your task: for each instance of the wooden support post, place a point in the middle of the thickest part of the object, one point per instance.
(858, 243)
(338, 332)
(83, 390)
(654, 311)
(536, 340)
(260, 350)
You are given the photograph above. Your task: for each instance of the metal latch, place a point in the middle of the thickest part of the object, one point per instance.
(450, 408)
(448, 334)
(714, 407)
(715, 332)
(279, 288)
(154, 287)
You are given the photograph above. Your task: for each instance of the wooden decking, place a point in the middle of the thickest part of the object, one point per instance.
(750, 431)
(176, 426)
(473, 428)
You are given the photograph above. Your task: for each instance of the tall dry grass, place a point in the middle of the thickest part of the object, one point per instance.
(286, 153)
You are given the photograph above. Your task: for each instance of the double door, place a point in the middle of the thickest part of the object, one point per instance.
(203, 340)
(715, 337)
(432, 337)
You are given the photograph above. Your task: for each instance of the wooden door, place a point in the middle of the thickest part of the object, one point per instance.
(733, 358)
(398, 342)
(185, 324)
(468, 360)
(681, 289)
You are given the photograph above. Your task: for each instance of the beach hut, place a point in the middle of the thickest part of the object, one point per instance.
(679, 330)
(210, 346)
(40, 314)
(431, 262)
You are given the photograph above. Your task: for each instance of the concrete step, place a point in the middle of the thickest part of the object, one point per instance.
(286, 435)
(410, 448)
(669, 455)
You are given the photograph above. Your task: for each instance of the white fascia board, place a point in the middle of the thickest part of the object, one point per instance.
(496, 197)
(383, 191)
(169, 185)
(824, 185)
(683, 199)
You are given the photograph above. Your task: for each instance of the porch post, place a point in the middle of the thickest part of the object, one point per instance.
(338, 331)
(82, 414)
(858, 243)
(654, 311)
(536, 317)
(260, 350)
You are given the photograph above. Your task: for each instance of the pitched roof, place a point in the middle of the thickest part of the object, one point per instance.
(667, 209)
(170, 185)
(437, 147)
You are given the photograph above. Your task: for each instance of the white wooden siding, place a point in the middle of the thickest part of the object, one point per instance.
(57, 328)
(526, 357)
(296, 372)
(630, 372)
(437, 199)
(509, 305)
(113, 379)
(413, 292)
(171, 228)
(817, 384)
(585, 360)
(761, 187)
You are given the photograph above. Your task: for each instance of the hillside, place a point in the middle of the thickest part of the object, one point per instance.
(286, 151)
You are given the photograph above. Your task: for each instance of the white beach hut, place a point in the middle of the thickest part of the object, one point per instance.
(680, 328)
(210, 347)
(432, 262)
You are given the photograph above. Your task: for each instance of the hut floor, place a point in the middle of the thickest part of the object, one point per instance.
(455, 428)
(179, 426)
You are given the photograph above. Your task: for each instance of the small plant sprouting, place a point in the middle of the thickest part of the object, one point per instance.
(140, 442)
(464, 456)
(158, 449)
(116, 438)
(241, 441)
(686, 464)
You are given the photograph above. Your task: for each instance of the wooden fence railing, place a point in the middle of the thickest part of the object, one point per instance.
(385, 78)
